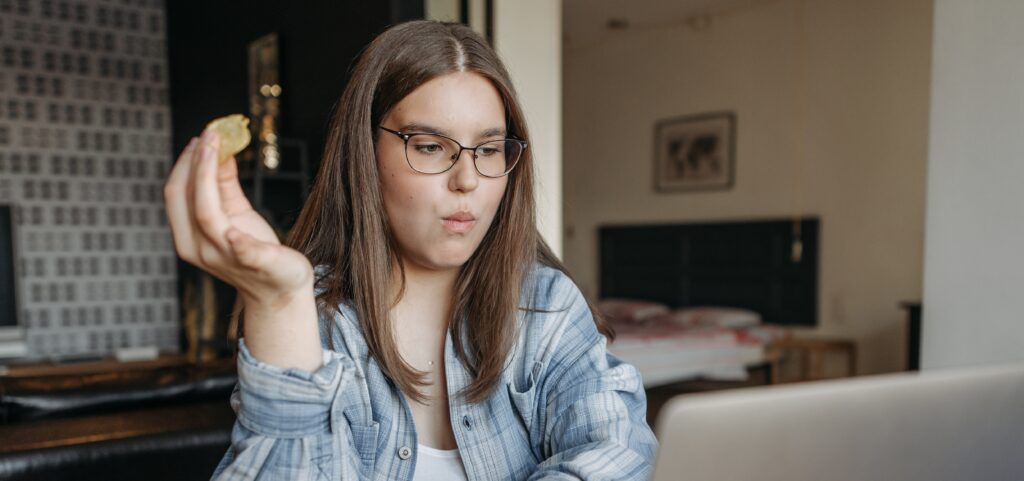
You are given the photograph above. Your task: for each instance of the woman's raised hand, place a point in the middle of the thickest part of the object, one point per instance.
(216, 229)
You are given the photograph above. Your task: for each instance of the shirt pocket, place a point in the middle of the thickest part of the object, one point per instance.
(524, 397)
(364, 438)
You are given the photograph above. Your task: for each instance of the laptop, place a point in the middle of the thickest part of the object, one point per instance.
(942, 425)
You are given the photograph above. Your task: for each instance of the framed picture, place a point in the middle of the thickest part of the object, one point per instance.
(695, 152)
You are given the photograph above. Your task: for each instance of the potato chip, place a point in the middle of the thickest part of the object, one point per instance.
(234, 134)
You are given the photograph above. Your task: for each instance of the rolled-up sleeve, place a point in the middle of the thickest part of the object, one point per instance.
(285, 428)
(287, 403)
(595, 408)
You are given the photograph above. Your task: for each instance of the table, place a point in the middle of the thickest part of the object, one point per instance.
(811, 352)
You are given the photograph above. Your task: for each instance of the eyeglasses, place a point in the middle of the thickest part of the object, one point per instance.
(435, 154)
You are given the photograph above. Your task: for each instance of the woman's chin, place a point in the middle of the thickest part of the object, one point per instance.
(452, 262)
(453, 254)
(444, 261)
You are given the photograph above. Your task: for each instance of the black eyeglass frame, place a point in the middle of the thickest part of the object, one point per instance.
(405, 136)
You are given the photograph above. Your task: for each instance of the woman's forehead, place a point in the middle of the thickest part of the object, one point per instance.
(458, 103)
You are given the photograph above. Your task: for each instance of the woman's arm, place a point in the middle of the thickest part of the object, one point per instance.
(594, 407)
(287, 385)
(282, 330)
(289, 425)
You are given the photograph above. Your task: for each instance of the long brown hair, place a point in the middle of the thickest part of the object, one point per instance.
(343, 226)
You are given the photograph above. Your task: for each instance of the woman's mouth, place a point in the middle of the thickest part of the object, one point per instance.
(458, 225)
(459, 222)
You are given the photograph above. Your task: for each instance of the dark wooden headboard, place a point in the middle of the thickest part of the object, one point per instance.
(738, 264)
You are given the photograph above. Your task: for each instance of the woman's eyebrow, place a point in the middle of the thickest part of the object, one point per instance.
(493, 132)
(417, 127)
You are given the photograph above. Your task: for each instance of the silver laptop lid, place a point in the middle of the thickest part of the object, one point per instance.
(965, 424)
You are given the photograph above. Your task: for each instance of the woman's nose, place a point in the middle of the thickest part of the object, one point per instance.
(464, 176)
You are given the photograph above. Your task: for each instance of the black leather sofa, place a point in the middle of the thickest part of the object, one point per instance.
(169, 423)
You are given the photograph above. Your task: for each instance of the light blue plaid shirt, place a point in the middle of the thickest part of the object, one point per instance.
(565, 408)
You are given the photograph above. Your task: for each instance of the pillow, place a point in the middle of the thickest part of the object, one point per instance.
(711, 316)
(630, 310)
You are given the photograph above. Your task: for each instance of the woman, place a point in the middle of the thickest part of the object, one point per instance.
(437, 337)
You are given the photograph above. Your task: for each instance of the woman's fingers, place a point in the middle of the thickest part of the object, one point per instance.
(240, 249)
(232, 197)
(209, 214)
(176, 204)
(190, 199)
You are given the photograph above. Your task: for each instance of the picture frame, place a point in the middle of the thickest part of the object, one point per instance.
(695, 152)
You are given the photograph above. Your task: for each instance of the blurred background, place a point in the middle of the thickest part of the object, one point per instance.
(755, 192)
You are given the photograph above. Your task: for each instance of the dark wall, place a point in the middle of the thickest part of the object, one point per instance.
(318, 42)
(319, 39)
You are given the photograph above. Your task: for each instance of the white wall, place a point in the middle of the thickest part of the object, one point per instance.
(528, 36)
(974, 266)
(860, 166)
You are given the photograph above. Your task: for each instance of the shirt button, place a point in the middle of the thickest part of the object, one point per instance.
(466, 422)
(404, 452)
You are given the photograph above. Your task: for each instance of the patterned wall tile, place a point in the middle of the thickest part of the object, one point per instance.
(84, 150)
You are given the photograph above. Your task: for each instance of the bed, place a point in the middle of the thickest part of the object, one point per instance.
(703, 301)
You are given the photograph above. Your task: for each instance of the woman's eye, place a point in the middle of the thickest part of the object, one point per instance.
(429, 148)
(487, 151)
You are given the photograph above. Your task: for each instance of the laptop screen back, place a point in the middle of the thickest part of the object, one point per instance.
(963, 424)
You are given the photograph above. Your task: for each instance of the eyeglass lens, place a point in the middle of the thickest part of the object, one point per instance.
(433, 154)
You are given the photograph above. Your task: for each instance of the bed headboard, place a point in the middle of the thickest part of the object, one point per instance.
(737, 264)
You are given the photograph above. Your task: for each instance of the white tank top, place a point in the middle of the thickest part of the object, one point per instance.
(438, 465)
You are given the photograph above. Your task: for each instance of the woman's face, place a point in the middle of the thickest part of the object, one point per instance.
(466, 107)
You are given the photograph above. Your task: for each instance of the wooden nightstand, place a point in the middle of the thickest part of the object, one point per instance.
(810, 355)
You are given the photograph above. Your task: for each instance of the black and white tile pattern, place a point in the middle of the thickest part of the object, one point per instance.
(84, 150)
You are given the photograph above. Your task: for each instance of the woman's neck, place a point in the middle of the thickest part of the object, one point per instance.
(428, 293)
